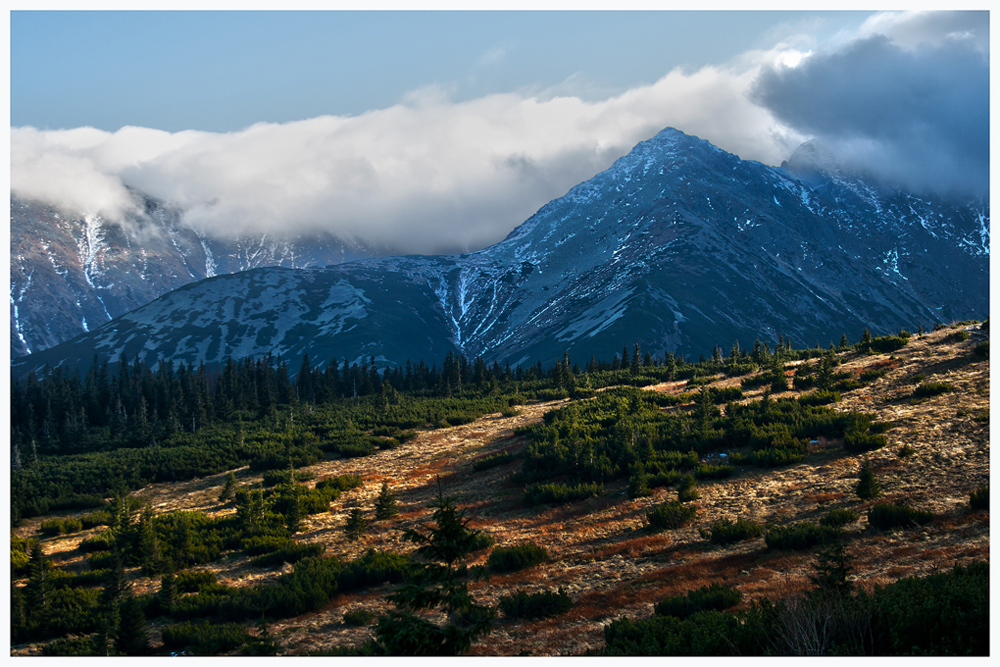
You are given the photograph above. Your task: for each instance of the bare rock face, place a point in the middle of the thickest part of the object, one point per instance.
(678, 247)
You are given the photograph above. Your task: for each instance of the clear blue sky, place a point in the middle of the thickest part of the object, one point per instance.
(222, 71)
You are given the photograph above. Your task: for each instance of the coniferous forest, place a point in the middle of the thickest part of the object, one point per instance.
(657, 437)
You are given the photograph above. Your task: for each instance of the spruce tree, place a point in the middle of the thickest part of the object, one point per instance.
(131, 638)
(832, 566)
(868, 487)
(167, 594)
(356, 525)
(228, 488)
(441, 584)
(385, 504)
(686, 489)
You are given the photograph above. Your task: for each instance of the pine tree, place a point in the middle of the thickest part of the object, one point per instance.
(867, 487)
(833, 565)
(440, 583)
(356, 525)
(638, 483)
(385, 504)
(38, 591)
(686, 489)
(168, 593)
(229, 487)
(148, 545)
(131, 638)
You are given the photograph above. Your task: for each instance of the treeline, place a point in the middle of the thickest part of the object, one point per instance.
(132, 405)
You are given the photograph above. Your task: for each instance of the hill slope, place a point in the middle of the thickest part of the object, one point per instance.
(601, 552)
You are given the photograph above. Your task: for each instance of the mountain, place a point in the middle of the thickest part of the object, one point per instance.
(70, 274)
(678, 247)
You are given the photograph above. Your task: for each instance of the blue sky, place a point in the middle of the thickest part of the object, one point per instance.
(442, 131)
(222, 71)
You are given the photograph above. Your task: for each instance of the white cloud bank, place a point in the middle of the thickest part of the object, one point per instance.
(427, 175)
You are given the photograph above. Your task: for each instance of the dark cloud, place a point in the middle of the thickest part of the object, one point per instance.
(917, 117)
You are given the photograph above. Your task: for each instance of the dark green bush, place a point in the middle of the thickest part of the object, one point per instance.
(291, 552)
(883, 344)
(340, 482)
(95, 543)
(686, 491)
(493, 460)
(980, 498)
(671, 515)
(70, 646)
(982, 349)
(715, 596)
(858, 442)
(358, 617)
(928, 389)
(725, 531)
(839, 517)
(204, 638)
(891, 515)
(355, 449)
(543, 604)
(192, 581)
(556, 494)
(820, 397)
(66, 526)
(707, 633)
(798, 536)
(519, 557)
(940, 614)
(707, 471)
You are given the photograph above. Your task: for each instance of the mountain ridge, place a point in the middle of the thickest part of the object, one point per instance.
(679, 246)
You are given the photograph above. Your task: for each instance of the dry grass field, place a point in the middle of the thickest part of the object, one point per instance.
(602, 552)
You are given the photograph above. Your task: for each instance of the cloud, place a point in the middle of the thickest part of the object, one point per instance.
(427, 175)
(433, 175)
(914, 115)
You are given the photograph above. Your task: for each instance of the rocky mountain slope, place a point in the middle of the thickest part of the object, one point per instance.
(70, 274)
(679, 246)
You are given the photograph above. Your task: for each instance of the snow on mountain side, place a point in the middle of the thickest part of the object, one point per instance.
(70, 274)
(679, 246)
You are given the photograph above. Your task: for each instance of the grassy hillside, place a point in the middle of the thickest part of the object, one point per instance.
(931, 397)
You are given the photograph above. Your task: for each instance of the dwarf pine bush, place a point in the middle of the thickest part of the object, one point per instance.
(519, 557)
(715, 596)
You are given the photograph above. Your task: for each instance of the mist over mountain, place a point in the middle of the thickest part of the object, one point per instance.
(678, 247)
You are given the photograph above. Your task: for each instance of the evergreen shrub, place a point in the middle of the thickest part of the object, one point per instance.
(492, 461)
(358, 617)
(204, 638)
(839, 517)
(543, 604)
(714, 596)
(940, 614)
(726, 531)
(515, 558)
(556, 494)
(820, 397)
(799, 536)
(671, 515)
(891, 515)
(928, 389)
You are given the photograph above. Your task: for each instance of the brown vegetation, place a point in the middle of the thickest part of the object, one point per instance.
(600, 550)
